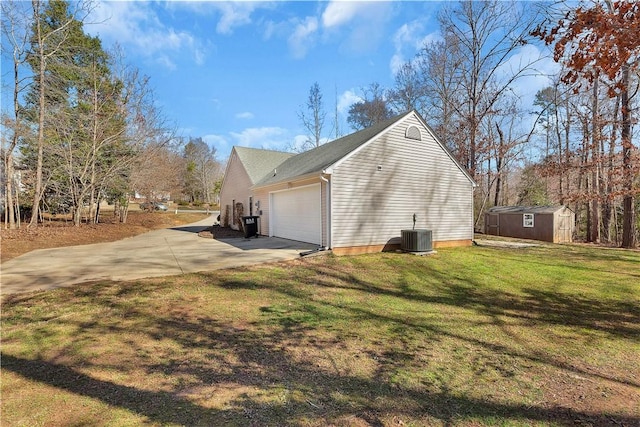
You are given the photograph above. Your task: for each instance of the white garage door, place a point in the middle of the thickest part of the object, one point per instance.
(296, 215)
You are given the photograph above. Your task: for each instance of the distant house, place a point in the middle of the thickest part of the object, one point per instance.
(356, 193)
(547, 223)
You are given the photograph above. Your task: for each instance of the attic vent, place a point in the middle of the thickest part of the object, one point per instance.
(413, 133)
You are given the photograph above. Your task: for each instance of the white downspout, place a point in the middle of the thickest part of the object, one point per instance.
(328, 203)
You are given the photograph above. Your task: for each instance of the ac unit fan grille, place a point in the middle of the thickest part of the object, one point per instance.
(416, 240)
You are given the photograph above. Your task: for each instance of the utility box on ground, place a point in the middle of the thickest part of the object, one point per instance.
(419, 240)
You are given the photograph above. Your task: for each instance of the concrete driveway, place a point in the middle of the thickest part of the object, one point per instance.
(157, 253)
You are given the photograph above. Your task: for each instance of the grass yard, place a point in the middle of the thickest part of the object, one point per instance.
(473, 336)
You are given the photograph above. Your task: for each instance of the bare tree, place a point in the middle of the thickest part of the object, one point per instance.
(336, 117)
(312, 116)
(439, 62)
(202, 170)
(409, 90)
(15, 21)
(478, 40)
(156, 166)
(600, 42)
(372, 109)
(158, 171)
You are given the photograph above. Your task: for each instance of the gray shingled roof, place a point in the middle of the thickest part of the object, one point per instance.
(322, 157)
(525, 209)
(258, 162)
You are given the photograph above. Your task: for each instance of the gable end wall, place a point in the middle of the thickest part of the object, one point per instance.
(236, 186)
(370, 207)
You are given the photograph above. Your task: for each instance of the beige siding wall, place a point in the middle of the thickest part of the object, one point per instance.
(261, 197)
(235, 186)
(371, 206)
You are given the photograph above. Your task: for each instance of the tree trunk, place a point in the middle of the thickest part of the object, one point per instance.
(96, 217)
(581, 178)
(499, 166)
(562, 165)
(607, 214)
(594, 235)
(125, 212)
(628, 208)
(37, 193)
(10, 212)
(93, 214)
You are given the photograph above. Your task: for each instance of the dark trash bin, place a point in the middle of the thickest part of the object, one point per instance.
(250, 225)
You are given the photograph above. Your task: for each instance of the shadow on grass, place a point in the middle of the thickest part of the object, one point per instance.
(318, 395)
(263, 365)
(616, 318)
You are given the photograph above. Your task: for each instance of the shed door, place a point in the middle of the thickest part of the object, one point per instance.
(564, 229)
(296, 214)
(493, 224)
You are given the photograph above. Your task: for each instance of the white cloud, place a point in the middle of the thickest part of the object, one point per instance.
(538, 76)
(299, 143)
(137, 27)
(270, 29)
(396, 62)
(302, 38)
(346, 100)
(429, 38)
(264, 137)
(234, 14)
(166, 62)
(363, 22)
(408, 34)
(340, 12)
(273, 138)
(220, 143)
(215, 140)
(246, 115)
(407, 41)
(356, 26)
(199, 56)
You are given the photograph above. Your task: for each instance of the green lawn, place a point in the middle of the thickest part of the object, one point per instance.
(470, 336)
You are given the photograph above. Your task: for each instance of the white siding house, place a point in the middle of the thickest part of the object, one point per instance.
(357, 193)
(377, 190)
(245, 167)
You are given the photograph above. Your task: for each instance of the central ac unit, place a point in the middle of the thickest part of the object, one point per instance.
(416, 240)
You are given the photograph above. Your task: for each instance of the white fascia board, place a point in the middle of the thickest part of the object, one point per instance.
(292, 180)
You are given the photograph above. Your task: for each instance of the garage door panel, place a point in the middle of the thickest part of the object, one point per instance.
(296, 214)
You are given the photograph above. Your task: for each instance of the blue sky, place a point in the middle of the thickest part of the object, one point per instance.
(238, 73)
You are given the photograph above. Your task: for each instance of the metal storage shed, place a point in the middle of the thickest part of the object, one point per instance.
(547, 223)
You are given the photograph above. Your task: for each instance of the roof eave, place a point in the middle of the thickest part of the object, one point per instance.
(297, 178)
